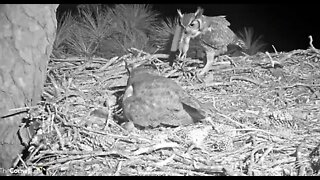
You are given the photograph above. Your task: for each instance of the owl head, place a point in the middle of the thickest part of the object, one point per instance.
(191, 22)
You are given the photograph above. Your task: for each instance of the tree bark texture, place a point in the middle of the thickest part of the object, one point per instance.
(27, 33)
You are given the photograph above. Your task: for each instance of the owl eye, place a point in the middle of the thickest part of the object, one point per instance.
(193, 24)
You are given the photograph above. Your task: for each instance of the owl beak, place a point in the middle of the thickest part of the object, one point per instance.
(176, 37)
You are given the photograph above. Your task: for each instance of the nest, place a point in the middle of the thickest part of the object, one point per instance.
(266, 121)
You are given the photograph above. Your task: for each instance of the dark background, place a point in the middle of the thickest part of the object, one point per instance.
(285, 25)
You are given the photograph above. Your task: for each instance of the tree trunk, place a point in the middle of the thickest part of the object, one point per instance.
(27, 33)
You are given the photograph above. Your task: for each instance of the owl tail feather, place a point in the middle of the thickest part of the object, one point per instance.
(196, 114)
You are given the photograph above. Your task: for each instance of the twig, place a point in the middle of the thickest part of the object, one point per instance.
(310, 43)
(247, 79)
(301, 170)
(217, 169)
(150, 56)
(24, 108)
(166, 161)
(265, 154)
(159, 173)
(250, 166)
(18, 111)
(30, 158)
(19, 159)
(301, 84)
(155, 147)
(118, 168)
(275, 50)
(71, 59)
(271, 60)
(232, 62)
(59, 136)
(111, 61)
(79, 155)
(139, 51)
(252, 159)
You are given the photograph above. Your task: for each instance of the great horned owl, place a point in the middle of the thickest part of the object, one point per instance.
(213, 33)
(151, 100)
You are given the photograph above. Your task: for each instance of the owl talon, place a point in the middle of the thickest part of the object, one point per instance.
(200, 78)
(206, 69)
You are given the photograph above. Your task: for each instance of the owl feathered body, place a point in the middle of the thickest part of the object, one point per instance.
(213, 33)
(151, 100)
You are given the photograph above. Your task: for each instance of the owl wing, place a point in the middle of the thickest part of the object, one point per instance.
(190, 104)
(220, 23)
(179, 100)
(217, 21)
(216, 33)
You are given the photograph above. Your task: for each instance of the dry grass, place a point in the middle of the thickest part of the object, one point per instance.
(164, 32)
(253, 43)
(266, 120)
(64, 30)
(103, 31)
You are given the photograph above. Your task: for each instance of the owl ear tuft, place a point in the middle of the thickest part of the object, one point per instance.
(179, 12)
(199, 12)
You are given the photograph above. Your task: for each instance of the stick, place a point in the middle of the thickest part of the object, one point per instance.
(275, 50)
(310, 43)
(155, 147)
